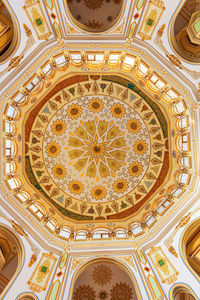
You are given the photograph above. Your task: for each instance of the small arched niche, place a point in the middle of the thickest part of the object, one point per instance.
(9, 30)
(95, 15)
(182, 292)
(190, 247)
(27, 296)
(104, 279)
(11, 258)
(184, 31)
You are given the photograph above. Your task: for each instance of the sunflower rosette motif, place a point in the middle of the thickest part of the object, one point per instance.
(97, 150)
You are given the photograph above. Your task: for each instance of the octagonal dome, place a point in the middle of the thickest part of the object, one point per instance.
(88, 146)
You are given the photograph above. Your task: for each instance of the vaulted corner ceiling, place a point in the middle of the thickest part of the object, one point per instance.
(98, 128)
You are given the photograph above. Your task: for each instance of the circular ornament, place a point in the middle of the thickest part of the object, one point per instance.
(84, 292)
(121, 291)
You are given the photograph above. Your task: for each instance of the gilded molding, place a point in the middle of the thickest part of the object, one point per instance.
(166, 271)
(174, 60)
(37, 18)
(15, 61)
(20, 231)
(40, 277)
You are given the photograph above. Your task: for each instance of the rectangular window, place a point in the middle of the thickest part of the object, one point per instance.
(60, 60)
(46, 69)
(76, 57)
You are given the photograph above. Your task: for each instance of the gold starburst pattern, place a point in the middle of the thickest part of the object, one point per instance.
(97, 148)
(84, 292)
(102, 274)
(120, 185)
(95, 105)
(121, 291)
(58, 127)
(117, 110)
(53, 149)
(135, 169)
(140, 147)
(59, 171)
(134, 125)
(98, 192)
(75, 187)
(74, 111)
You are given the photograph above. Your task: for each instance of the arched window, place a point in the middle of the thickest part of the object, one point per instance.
(37, 210)
(51, 224)
(141, 69)
(120, 233)
(95, 59)
(114, 59)
(170, 95)
(10, 168)
(183, 178)
(11, 257)
(10, 148)
(184, 161)
(128, 62)
(182, 122)
(65, 232)
(176, 191)
(178, 108)
(19, 98)
(60, 60)
(76, 58)
(150, 220)
(182, 292)
(33, 84)
(12, 112)
(9, 127)
(182, 142)
(101, 233)
(136, 229)
(23, 196)
(162, 206)
(47, 69)
(155, 83)
(191, 247)
(81, 235)
(14, 183)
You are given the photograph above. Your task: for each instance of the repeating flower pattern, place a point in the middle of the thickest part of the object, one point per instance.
(58, 127)
(53, 149)
(96, 148)
(59, 171)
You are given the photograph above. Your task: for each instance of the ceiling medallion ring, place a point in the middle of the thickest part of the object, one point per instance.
(92, 154)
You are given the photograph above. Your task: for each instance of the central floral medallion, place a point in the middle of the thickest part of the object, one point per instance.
(99, 145)
(96, 148)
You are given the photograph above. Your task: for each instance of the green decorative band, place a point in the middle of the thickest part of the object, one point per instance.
(133, 87)
(61, 209)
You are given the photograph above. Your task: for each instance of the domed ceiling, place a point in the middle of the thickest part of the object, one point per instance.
(95, 15)
(84, 145)
(104, 280)
(97, 129)
(96, 147)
